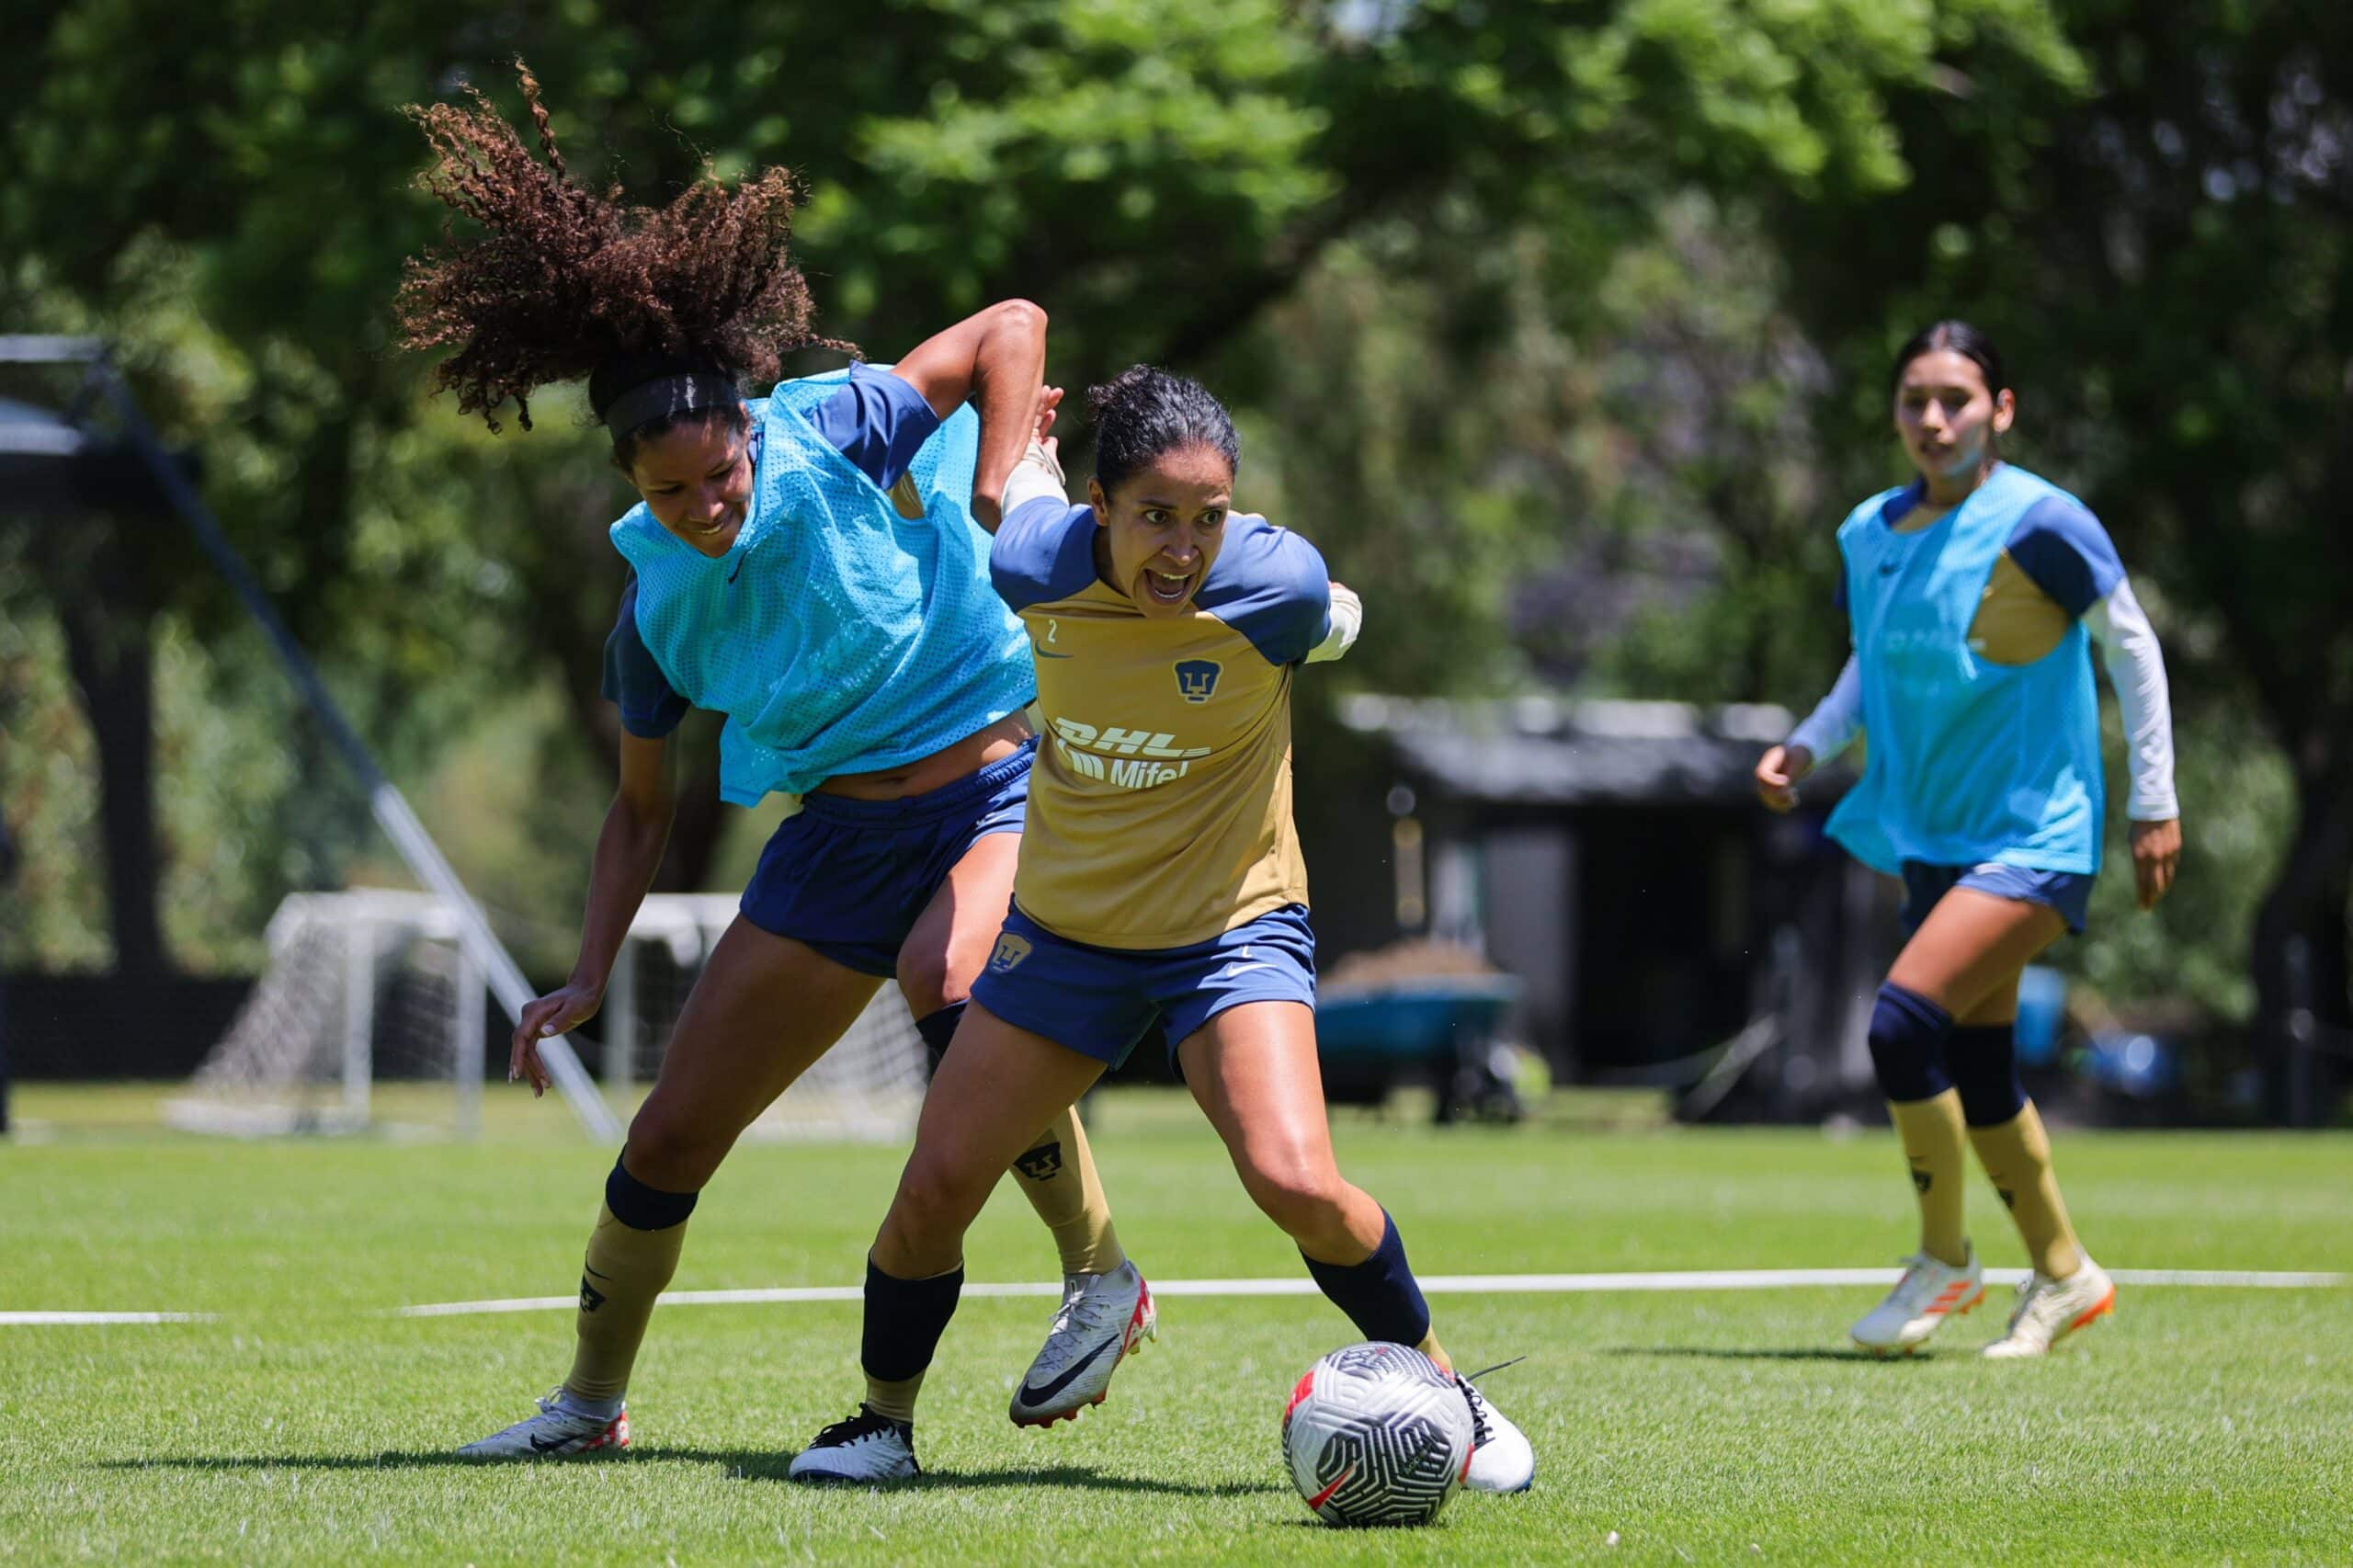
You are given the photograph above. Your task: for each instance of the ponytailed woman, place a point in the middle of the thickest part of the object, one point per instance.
(806, 564)
(1161, 894)
(1973, 594)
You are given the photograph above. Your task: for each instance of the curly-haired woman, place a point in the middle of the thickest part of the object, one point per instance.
(808, 565)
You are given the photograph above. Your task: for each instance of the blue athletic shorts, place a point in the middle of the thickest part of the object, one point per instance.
(849, 878)
(2069, 892)
(1101, 1001)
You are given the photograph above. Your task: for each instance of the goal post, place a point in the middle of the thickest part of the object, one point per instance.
(370, 1014)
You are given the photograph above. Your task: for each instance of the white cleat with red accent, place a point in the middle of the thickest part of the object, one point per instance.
(1928, 1293)
(2050, 1309)
(1502, 1459)
(559, 1431)
(1104, 1318)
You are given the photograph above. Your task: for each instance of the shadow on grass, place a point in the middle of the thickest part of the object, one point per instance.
(744, 1464)
(1714, 1353)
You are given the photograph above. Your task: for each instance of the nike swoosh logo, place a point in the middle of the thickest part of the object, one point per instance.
(1043, 654)
(546, 1444)
(1315, 1503)
(1034, 1396)
(1230, 971)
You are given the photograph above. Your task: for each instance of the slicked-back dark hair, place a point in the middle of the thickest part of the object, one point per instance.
(1961, 338)
(1144, 413)
(562, 283)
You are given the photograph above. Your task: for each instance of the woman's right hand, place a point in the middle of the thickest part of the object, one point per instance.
(559, 1011)
(1778, 772)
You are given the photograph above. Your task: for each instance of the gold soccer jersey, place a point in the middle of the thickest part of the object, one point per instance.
(1160, 802)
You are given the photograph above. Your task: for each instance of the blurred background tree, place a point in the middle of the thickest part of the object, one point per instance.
(1564, 328)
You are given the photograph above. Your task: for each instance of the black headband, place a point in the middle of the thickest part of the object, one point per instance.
(661, 399)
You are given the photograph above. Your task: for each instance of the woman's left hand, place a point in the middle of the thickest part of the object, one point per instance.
(2156, 852)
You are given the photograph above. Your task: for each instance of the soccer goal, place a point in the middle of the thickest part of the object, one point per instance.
(372, 1016)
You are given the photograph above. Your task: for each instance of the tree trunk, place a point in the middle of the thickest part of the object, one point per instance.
(110, 650)
(2305, 1007)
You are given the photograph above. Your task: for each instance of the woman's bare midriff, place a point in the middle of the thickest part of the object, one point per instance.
(942, 768)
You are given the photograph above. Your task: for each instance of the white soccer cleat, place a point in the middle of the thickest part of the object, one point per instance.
(1103, 1318)
(867, 1446)
(1502, 1459)
(558, 1431)
(1928, 1293)
(2050, 1309)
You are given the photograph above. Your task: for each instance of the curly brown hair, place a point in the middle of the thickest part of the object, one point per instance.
(562, 283)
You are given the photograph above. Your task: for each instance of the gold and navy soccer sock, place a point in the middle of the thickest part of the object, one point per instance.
(1936, 1147)
(1380, 1295)
(1907, 1039)
(2017, 1155)
(631, 1254)
(904, 1319)
(1056, 1174)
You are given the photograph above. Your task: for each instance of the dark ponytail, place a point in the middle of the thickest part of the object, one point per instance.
(1142, 413)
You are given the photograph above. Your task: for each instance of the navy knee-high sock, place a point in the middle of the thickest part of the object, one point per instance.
(1380, 1295)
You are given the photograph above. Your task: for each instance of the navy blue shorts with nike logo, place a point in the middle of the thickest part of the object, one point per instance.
(849, 878)
(1101, 1001)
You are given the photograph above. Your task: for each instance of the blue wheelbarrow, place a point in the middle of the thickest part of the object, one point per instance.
(1439, 1031)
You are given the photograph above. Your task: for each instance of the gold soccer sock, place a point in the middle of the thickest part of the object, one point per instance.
(1057, 1174)
(1430, 1347)
(625, 1270)
(1936, 1146)
(2017, 1154)
(895, 1399)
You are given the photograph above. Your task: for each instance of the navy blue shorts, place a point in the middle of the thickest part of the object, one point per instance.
(2069, 892)
(849, 878)
(1101, 1001)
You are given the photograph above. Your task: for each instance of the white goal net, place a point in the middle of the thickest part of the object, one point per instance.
(370, 1014)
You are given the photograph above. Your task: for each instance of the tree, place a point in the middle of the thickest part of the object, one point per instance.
(226, 194)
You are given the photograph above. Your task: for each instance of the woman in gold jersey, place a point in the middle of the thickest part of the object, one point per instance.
(1161, 888)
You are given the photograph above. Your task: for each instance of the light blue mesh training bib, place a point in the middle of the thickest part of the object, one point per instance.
(835, 636)
(1967, 761)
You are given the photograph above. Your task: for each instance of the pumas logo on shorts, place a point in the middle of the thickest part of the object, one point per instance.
(1197, 678)
(1010, 950)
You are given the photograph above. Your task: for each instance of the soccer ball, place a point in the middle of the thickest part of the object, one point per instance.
(1377, 1433)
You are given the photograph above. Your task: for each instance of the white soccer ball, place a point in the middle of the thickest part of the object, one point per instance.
(1377, 1433)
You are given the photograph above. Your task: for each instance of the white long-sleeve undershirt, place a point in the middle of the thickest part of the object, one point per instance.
(2136, 668)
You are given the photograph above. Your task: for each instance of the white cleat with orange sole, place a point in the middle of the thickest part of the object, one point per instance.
(1928, 1293)
(1104, 1319)
(2050, 1309)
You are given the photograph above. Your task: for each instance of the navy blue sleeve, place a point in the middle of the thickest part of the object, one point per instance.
(1272, 586)
(650, 709)
(2066, 553)
(1044, 551)
(878, 422)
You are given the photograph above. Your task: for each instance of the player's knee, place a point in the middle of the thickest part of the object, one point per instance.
(1907, 1041)
(922, 980)
(673, 1151)
(938, 1198)
(1984, 1062)
(1301, 1196)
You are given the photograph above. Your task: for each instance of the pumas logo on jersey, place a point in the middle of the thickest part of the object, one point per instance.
(1197, 678)
(1010, 950)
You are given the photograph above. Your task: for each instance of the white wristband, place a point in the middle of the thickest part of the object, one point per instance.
(1347, 620)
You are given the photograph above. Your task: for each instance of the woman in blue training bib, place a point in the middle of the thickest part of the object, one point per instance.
(1973, 594)
(806, 565)
(1161, 887)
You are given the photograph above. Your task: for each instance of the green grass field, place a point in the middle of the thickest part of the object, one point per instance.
(305, 1423)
